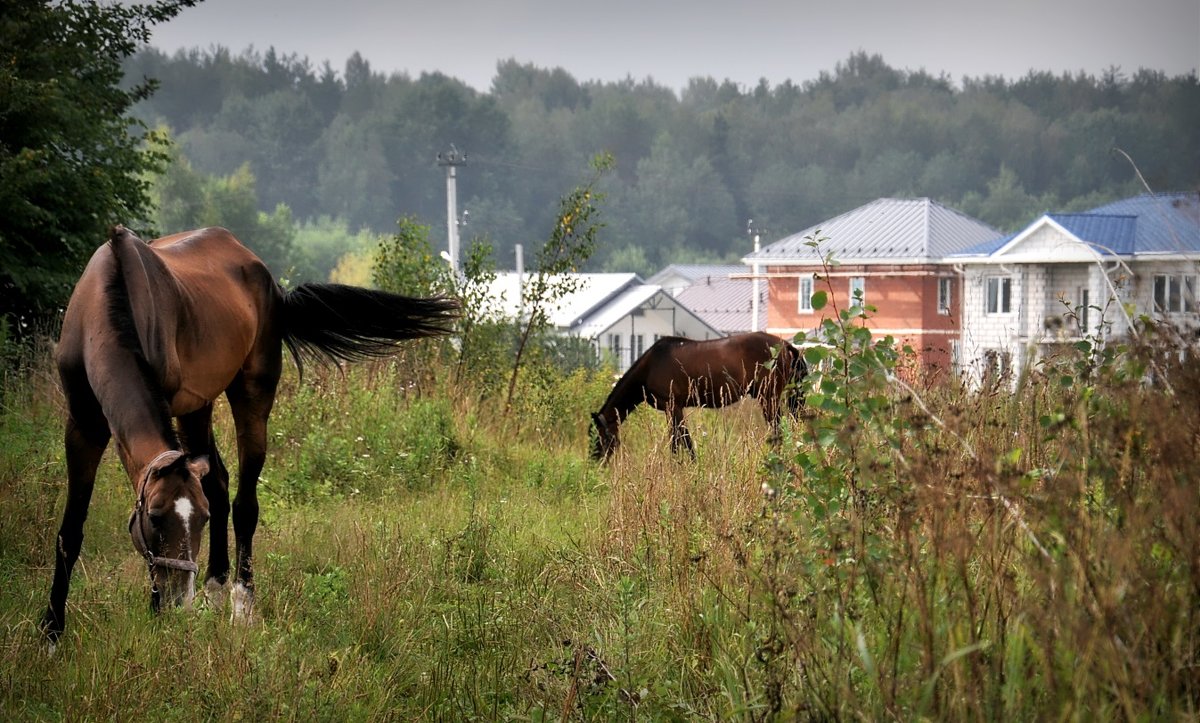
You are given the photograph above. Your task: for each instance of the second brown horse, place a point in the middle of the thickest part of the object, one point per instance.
(675, 373)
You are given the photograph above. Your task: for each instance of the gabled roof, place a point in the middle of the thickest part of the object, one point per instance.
(887, 230)
(601, 301)
(725, 304)
(1146, 225)
(696, 272)
(627, 302)
(594, 291)
(618, 307)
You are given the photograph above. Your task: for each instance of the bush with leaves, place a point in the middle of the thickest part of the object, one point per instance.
(571, 244)
(999, 553)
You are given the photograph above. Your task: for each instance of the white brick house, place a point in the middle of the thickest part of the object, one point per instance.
(1067, 276)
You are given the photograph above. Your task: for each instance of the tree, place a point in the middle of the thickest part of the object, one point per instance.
(71, 160)
(570, 245)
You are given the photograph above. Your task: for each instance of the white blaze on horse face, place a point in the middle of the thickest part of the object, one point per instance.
(183, 508)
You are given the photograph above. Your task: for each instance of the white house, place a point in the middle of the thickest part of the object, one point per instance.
(1071, 275)
(618, 313)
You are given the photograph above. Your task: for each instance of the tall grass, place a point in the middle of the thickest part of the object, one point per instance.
(906, 552)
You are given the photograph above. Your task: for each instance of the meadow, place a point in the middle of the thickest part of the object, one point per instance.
(1025, 551)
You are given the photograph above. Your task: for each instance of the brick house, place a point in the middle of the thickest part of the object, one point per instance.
(893, 252)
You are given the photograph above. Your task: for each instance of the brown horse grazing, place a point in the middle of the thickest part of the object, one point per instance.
(675, 373)
(158, 331)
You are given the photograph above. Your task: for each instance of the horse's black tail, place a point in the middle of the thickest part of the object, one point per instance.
(335, 322)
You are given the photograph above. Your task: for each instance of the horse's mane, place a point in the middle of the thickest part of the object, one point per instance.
(120, 315)
(628, 392)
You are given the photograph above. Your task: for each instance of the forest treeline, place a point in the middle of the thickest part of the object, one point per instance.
(359, 146)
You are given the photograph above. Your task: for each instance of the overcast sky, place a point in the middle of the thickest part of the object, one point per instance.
(672, 41)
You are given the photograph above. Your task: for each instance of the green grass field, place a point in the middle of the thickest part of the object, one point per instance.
(904, 554)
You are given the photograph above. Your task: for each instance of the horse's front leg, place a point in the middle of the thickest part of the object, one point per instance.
(196, 429)
(771, 413)
(680, 436)
(84, 448)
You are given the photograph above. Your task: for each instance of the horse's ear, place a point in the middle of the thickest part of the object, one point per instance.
(198, 466)
(163, 464)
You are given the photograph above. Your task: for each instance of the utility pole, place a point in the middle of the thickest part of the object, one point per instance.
(754, 232)
(451, 161)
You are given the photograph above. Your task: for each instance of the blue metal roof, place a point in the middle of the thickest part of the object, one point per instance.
(1166, 222)
(1163, 223)
(1109, 234)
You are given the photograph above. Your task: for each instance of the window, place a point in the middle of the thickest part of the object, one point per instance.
(614, 346)
(944, 289)
(998, 296)
(804, 300)
(1084, 297)
(639, 345)
(858, 290)
(1176, 294)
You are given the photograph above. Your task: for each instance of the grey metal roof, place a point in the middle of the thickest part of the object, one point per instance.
(887, 230)
(725, 304)
(696, 272)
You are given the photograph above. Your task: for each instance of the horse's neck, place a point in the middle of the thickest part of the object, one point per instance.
(137, 412)
(625, 397)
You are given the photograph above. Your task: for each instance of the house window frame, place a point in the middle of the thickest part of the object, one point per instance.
(945, 294)
(859, 283)
(1083, 298)
(1183, 300)
(1002, 297)
(803, 299)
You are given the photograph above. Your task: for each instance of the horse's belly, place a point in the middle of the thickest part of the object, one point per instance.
(186, 401)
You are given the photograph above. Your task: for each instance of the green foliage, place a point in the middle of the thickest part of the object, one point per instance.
(572, 242)
(406, 263)
(72, 161)
(693, 166)
(185, 199)
(905, 553)
(320, 245)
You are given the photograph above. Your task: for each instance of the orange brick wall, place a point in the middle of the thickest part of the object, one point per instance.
(905, 298)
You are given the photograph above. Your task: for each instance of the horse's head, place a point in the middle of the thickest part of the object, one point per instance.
(605, 439)
(167, 523)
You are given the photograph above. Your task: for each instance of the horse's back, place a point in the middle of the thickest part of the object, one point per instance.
(714, 372)
(213, 302)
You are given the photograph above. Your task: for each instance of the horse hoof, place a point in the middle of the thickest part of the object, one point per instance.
(214, 595)
(243, 605)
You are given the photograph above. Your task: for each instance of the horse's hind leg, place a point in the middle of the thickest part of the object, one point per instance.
(196, 431)
(85, 443)
(250, 398)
